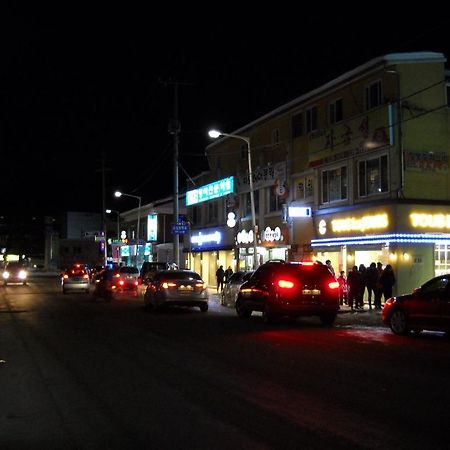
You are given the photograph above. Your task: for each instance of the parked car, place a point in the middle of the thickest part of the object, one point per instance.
(128, 278)
(15, 272)
(76, 278)
(279, 288)
(149, 268)
(231, 289)
(426, 308)
(176, 288)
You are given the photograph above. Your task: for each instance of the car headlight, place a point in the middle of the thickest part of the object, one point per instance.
(5, 274)
(22, 274)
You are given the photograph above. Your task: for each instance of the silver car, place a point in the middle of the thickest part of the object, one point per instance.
(76, 278)
(231, 289)
(176, 288)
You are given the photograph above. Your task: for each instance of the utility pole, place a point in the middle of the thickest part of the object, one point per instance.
(174, 129)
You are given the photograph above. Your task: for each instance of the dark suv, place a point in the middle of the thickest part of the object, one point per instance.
(290, 289)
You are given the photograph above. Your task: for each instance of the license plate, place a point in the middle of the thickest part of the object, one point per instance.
(311, 291)
(185, 288)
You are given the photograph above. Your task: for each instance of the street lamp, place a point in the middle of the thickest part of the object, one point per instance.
(119, 194)
(215, 134)
(109, 211)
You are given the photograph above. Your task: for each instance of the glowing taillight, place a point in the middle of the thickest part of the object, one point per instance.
(66, 276)
(200, 285)
(121, 282)
(285, 284)
(333, 285)
(167, 285)
(307, 263)
(86, 277)
(136, 283)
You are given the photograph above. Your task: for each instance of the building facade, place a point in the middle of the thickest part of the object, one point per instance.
(355, 171)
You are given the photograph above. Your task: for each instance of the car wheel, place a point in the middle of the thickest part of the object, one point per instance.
(327, 319)
(241, 310)
(204, 307)
(398, 322)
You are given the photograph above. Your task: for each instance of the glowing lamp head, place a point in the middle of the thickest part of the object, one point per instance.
(118, 194)
(214, 134)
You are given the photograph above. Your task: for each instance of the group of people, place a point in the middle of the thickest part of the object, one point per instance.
(223, 277)
(378, 282)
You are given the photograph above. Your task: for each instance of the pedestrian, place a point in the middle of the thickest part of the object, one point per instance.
(342, 280)
(228, 274)
(354, 282)
(387, 281)
(371, 276)
(378, 286)
(330, 267)
(362, 270)
(220, 274)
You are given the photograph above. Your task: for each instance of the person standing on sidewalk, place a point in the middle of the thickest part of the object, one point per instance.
(354, 282)
(387, 281)
(220, 274)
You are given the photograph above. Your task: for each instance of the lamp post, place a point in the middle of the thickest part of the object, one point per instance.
(119, 194)
(215, 134)
(109, 211)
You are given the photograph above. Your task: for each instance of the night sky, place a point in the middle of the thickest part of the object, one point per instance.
(76, 90)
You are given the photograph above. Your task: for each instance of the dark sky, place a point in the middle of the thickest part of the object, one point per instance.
(75, 88)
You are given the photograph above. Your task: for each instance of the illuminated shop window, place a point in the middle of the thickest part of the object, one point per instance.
(442, 258)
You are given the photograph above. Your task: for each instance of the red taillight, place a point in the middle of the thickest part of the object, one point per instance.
(307, 263)
(136, 283)
(285, 284)
(333, 285)
(121, 282)
(86, 277)
(167, 285)
(200, 285)
(66, 276)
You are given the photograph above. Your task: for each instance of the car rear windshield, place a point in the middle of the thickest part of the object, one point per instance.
(173, 275)
(311, 274)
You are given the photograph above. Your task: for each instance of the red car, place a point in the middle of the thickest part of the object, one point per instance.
(426, 308)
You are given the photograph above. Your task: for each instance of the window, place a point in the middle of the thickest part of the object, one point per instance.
(335, 111)
(247, 204)
(305, 188)
(442, 259)
(311, 119)
(275, 136)
(334, 184)
(273, 201)
(244, 151)
(213, 208)
(373, 176)
(297, 125)
(373, 95)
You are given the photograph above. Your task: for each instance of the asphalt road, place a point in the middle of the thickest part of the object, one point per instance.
(82, 374)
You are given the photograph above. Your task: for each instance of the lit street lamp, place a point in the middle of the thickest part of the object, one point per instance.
(109, 211)
(119, 194)
(215, 134)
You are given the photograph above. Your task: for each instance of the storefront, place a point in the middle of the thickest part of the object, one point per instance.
(414, 239)
(211, 248)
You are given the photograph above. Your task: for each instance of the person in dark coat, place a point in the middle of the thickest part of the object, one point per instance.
(355, 284)
(387, 281)
(378, 286)
(220, 275)
(371, 276)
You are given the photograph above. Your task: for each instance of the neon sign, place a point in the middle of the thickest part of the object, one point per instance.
(210, 191)
(361, 224)
(422, 220)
